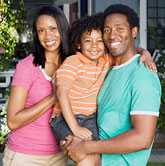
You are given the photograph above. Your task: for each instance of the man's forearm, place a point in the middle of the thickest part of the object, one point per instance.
(125, 143)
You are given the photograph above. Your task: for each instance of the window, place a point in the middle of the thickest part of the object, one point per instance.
(156, 24)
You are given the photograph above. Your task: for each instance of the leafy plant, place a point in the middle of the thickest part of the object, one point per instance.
(160, 62)
(10, 22)
(4, 130)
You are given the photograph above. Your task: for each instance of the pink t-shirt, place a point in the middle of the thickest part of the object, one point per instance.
(36, 137)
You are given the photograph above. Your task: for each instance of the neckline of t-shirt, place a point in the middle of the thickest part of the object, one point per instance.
(126, 63)
(47, 77)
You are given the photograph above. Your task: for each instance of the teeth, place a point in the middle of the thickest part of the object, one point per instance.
(50, 42)
(115, 43)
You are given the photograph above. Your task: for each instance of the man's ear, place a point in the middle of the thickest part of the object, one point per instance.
(134, 32)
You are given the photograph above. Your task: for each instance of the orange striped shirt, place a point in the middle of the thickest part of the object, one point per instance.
(85, 78)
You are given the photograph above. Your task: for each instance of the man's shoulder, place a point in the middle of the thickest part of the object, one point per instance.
(143, 72)
(144, 77)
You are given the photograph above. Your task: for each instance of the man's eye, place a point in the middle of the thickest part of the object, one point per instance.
(106, 30)
(120, 28)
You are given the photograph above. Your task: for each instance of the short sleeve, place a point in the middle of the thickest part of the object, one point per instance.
(23, 75)
(146, 94)
(67, 73)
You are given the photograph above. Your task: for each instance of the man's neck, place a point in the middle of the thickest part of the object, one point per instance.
(124, 58)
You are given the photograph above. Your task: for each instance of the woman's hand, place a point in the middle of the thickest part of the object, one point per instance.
(146, 58)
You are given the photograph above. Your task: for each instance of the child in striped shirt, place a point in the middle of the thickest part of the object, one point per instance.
(78, 82)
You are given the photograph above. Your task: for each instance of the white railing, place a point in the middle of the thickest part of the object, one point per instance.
(5, 78)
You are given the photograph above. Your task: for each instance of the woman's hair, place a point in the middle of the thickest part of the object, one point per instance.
(88, 23)
(63, 27)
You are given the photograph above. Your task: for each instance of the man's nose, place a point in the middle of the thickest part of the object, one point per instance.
(112, 34)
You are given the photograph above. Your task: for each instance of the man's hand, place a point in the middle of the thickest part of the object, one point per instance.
(77, 151)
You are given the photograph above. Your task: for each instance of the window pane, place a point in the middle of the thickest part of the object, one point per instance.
(152, 23)
(161, 3)
(161, 22)
(161, 12)
(151, 3)
(152, 12)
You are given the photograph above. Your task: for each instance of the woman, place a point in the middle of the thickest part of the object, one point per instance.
(31, 141)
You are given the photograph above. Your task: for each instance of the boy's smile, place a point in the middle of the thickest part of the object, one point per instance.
(92, 45)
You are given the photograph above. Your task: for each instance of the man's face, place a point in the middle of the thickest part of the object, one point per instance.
(118, 36)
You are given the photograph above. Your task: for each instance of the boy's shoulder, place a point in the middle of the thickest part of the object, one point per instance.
(73, 59)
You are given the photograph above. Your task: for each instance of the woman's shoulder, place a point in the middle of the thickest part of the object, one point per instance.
(27, 60)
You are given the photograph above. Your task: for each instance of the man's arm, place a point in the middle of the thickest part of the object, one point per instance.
(138, 138)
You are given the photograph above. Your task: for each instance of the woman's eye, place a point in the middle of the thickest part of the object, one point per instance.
(40, 30)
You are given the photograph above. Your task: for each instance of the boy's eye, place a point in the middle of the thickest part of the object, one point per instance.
(53, 28)
(87, 40)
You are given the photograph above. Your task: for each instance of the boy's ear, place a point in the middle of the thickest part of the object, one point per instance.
(78, 46)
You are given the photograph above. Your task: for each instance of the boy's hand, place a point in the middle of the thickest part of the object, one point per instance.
(82, 133)
(56, 112)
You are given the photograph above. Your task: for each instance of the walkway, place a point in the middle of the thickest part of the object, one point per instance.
(156, 156)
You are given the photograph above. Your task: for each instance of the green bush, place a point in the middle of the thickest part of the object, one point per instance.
(161, 120)
(161, 71)
(10, 22)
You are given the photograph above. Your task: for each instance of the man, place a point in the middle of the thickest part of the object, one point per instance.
(129, 101)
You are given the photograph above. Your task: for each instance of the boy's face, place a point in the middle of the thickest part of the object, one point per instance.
(92, 45)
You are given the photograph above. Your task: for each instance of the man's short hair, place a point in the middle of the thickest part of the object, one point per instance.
(131, 15)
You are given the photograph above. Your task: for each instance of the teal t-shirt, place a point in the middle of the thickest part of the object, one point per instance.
(129, 89)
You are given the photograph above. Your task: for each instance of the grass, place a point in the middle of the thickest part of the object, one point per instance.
(156, 164)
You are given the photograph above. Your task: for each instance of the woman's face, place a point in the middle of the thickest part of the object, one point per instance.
(48, 33)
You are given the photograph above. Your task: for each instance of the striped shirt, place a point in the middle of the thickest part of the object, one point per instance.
(85, 78)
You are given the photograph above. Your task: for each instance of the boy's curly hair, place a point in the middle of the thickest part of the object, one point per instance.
(88, 23)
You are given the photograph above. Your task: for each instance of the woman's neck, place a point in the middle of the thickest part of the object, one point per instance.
(52, 57)
(52, 62)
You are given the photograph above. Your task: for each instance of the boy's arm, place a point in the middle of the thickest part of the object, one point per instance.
(63, 96)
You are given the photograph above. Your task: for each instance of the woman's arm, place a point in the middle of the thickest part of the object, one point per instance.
(146, 58)
(18, 115)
